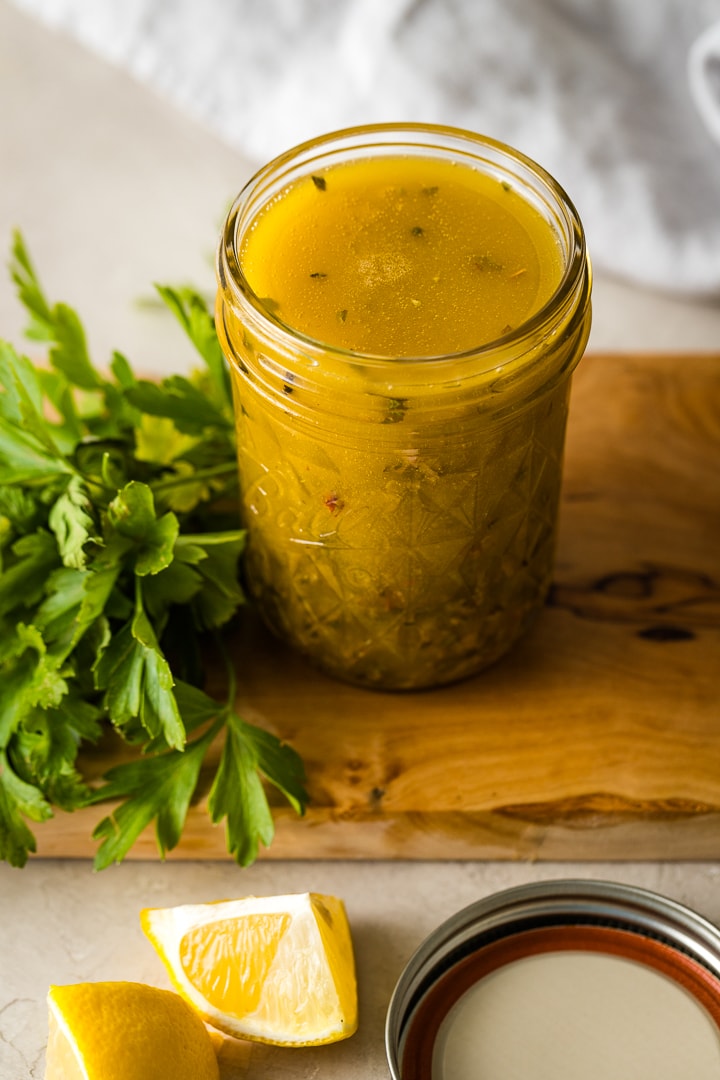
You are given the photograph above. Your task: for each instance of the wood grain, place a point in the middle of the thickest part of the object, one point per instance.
(598, 738)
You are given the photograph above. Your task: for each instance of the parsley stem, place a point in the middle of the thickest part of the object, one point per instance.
(200, 474)
(232, 681)
(212, 732)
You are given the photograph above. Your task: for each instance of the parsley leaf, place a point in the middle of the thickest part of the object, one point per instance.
(237, 795)
(155, 788)
(132, 516)
(191, 312)
(30, 293)
(161, 787)
(46, 749)
(117, 556)
(138, 683)
(18, 800)
(31, 559)
(71, 521)
(24, 459)
(177, 399)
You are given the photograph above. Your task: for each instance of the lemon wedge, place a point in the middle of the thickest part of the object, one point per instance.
(277, 969)
(125, 1031)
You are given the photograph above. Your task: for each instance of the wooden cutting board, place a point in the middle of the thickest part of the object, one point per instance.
(598, 738)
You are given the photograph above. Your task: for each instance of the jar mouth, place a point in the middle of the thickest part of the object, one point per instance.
(416, 139)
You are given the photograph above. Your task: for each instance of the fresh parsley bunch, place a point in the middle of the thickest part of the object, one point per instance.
(118, 551)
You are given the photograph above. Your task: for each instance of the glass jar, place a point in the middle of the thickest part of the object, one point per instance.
(401, 510)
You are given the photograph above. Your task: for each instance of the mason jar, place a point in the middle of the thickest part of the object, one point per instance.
(400, 463)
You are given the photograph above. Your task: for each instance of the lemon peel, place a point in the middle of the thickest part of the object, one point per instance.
(125, 1031)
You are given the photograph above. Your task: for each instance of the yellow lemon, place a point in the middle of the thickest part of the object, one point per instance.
(125, 1031)
(278, 969)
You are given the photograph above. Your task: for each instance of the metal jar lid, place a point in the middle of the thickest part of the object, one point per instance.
(542, 917)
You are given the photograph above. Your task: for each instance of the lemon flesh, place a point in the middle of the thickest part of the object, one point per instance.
(276, 969)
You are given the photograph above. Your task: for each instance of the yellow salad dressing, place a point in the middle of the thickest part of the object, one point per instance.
(400, 340)
(402, 257)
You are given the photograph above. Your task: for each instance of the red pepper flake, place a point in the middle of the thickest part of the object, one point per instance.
(333, 502)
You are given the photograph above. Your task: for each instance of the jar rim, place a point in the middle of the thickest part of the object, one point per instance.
(396, 137)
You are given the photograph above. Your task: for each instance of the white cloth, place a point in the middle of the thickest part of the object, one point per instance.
(597, 91)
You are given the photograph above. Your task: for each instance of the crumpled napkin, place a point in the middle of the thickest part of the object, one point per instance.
(597, 91)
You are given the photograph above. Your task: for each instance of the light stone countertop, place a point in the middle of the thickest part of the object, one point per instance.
(59, 922)
(114, 190)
